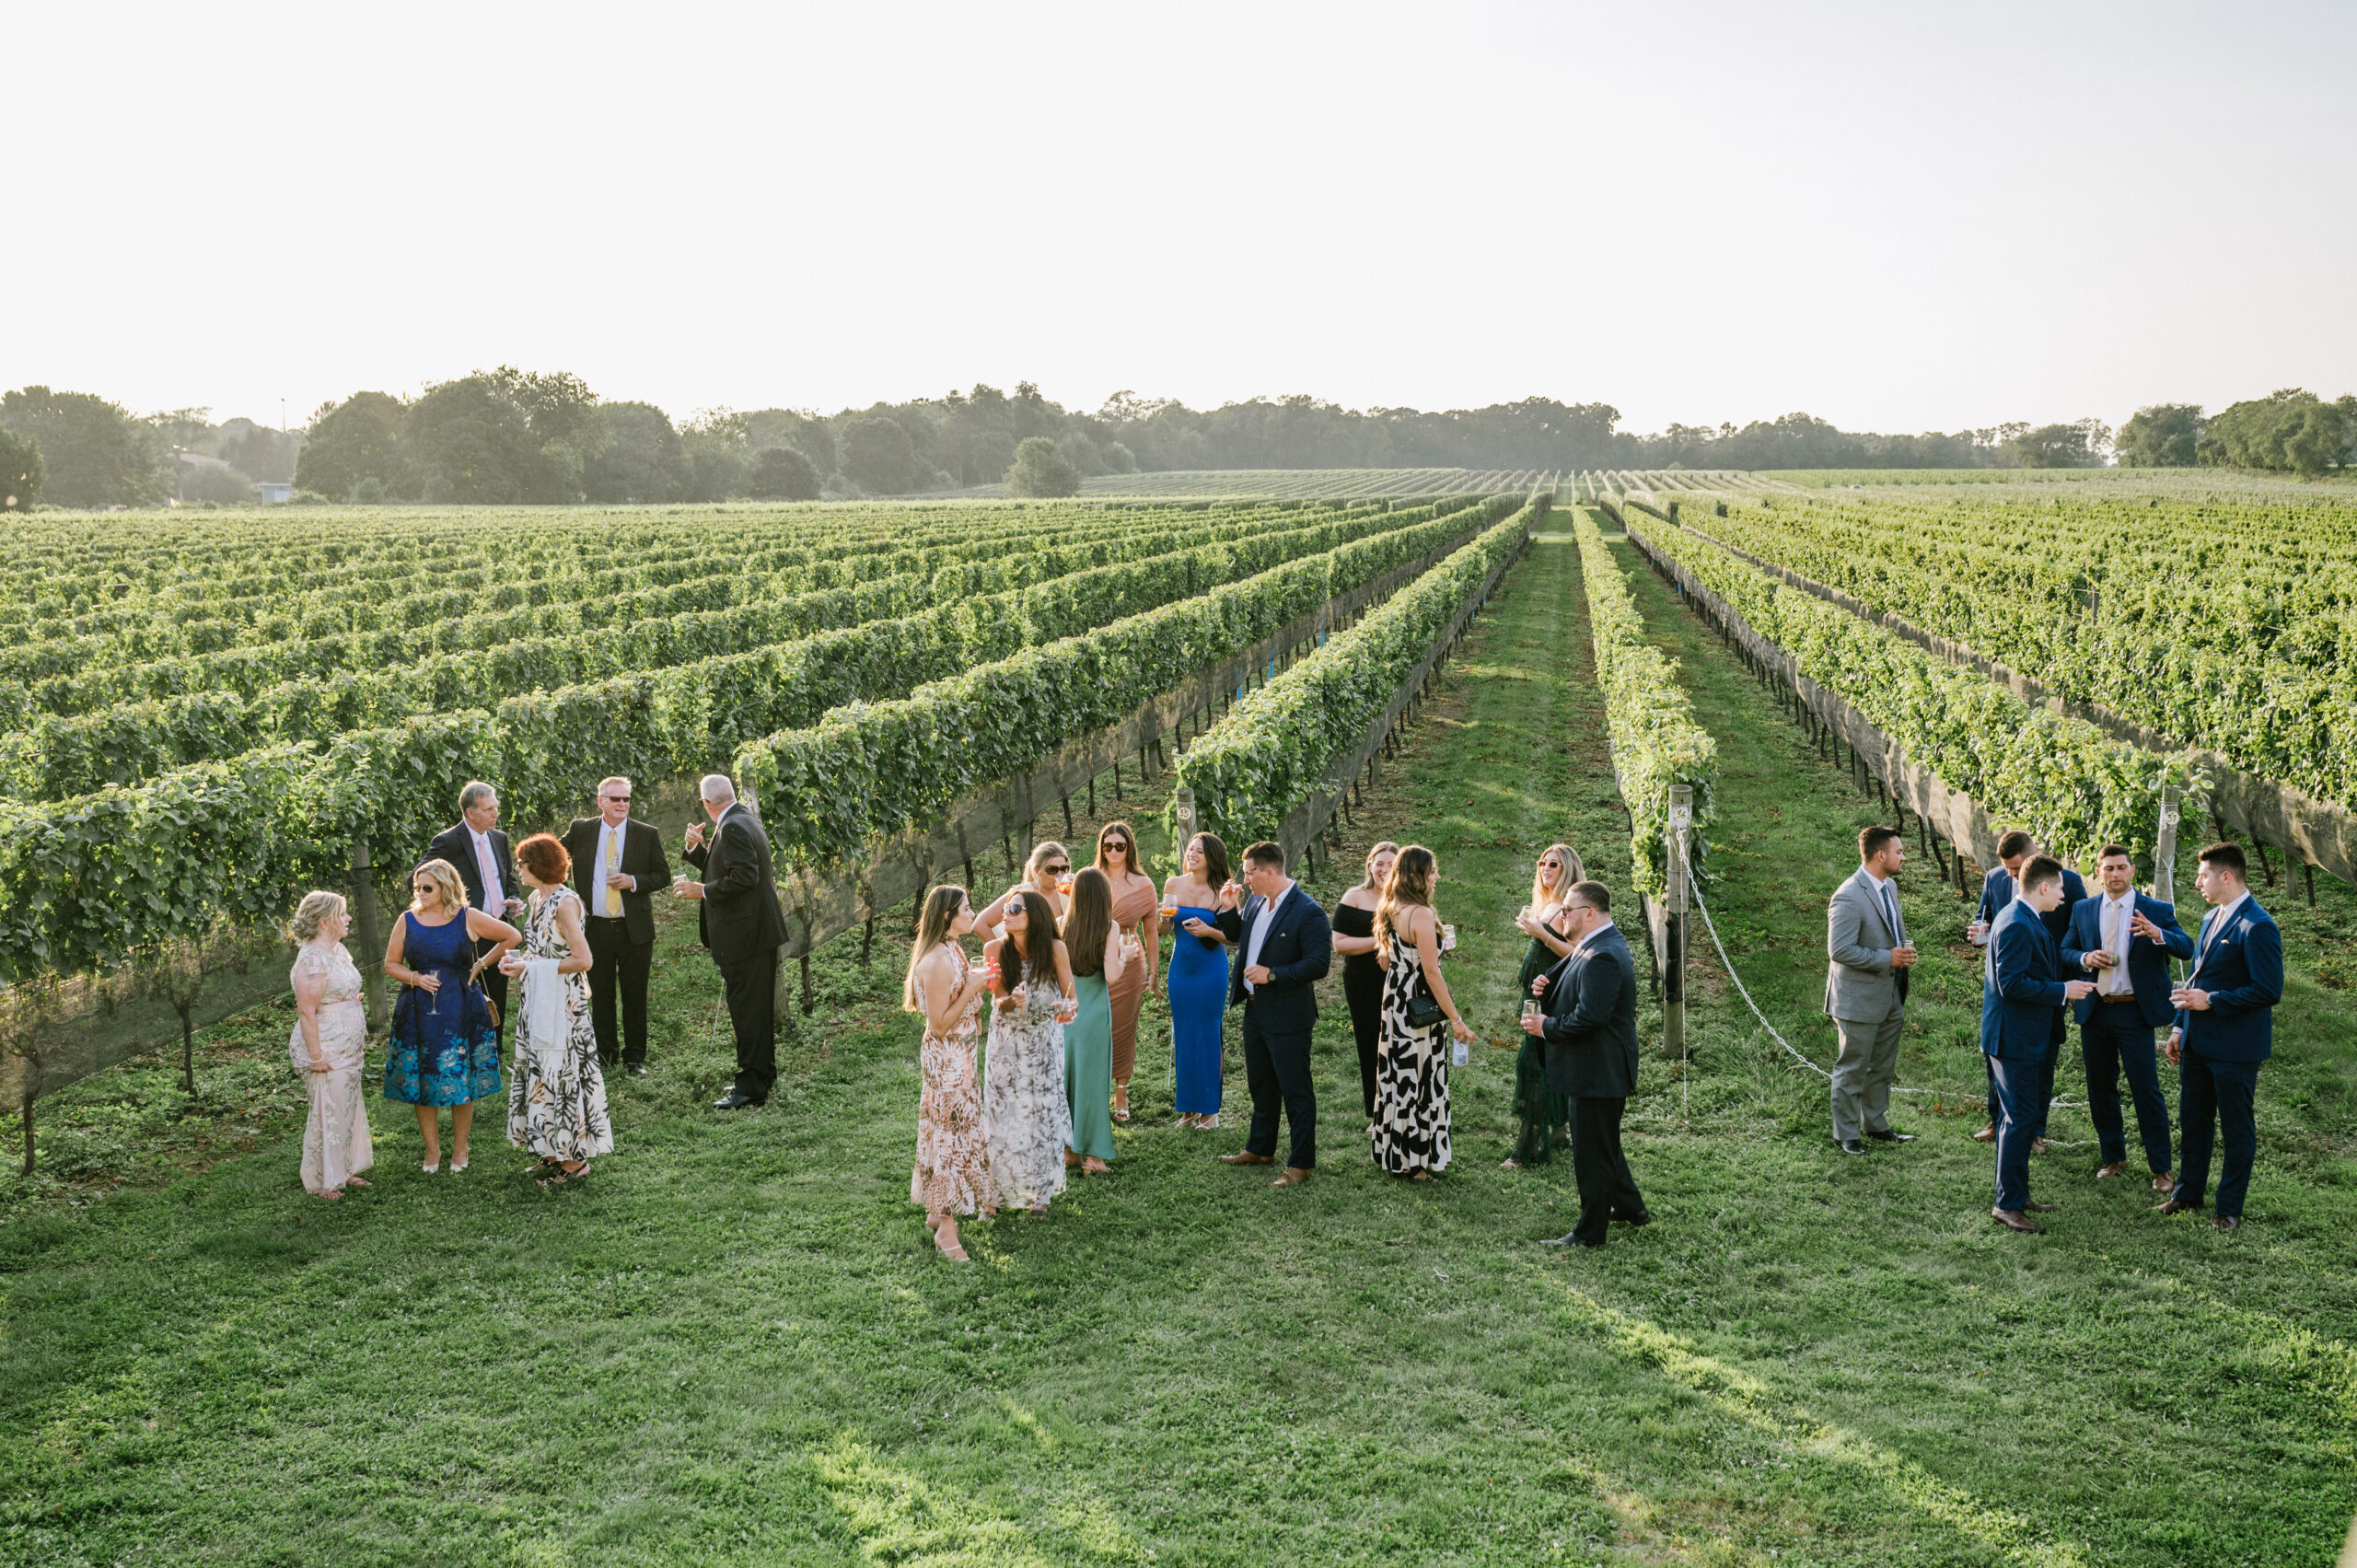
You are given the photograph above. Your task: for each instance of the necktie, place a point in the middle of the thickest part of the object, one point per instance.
(1890, 911)
(613, 864)
(2115, 939)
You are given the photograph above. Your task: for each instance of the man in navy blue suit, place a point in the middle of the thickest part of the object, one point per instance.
(1997, 890)
(1284, 946)
(2225, 1027)
(2126, 940)
(2019, 999)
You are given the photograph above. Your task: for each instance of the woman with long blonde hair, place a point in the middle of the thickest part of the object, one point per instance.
(1048, 873)
(952, 1173)
(1353, 921)
(1411, 1059)
(445, 1047)
(1542, 1117)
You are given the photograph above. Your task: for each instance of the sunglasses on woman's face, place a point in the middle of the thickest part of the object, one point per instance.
(1059, 870)
(1116, 844)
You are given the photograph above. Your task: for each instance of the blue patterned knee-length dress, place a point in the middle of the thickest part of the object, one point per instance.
(444, 1048)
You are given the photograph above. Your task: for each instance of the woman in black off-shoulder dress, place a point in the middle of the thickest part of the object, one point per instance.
(1353, 921)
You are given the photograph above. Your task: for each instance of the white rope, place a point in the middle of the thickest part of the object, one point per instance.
(1743, 991)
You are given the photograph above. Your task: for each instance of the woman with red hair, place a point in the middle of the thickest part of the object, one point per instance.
(556, 1102)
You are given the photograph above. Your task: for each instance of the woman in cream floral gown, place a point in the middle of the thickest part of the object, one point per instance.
(556, 1102)
(952, 1173)
(329, 1047)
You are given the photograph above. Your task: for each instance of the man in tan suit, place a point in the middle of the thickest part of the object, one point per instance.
(1865, 990)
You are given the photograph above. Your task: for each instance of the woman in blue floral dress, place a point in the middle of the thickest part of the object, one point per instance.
(444, 1048)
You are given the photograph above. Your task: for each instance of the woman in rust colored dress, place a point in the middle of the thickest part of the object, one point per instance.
(1136, 910)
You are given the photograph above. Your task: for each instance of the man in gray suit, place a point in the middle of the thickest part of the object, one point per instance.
(1590, 1039)
(1865, 990)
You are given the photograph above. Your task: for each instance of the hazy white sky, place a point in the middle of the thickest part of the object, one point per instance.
(1897, 217)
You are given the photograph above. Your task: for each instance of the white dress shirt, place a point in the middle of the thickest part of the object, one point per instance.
(495, 889)
(2217, 923)
(1261, 932)
(605, 900)
(2118, 916)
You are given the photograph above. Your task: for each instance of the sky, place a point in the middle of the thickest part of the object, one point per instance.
(1895, 217)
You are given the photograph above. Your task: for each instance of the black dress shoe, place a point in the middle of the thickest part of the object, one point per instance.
(1575, 1239)
(1888, 1136)
(733, 1099)
(2226, 1222)
(1643, 1216)
(1851, 1145)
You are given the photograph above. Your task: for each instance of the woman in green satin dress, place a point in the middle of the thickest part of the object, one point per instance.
(1100, 951)
(1542, 1118)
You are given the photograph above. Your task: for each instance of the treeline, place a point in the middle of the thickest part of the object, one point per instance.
(2289, 431)
(508, 436)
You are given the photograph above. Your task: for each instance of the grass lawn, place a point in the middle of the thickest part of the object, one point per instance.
(735, 1344)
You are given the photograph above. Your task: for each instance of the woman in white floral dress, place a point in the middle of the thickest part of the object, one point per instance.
(952, 1172)
(556, 1101)
(1027, 1120)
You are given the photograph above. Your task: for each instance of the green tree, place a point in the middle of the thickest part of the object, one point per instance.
(217, 482)
(2079, 446)
(782, 473)
(637, 458)
(785, 428)
(474, 446)
(561, 414)
(878, 456)
(93, 452)
(2165, 435)
(2289, 428)
(362, 437)
(1041, 469)
(266, 454)
(20, 472)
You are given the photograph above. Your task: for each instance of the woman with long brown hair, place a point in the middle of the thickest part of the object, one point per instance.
(1199, 982)
(1137, 910)
(1100, 955)
(1354, 920)
(952, 1173)
(1542, 1117)
(1411, 1059)
(1025, 1119)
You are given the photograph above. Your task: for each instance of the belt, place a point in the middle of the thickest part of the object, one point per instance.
(610, 919)
(2118, 996)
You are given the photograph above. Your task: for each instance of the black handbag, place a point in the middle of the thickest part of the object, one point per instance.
(1424, 1012)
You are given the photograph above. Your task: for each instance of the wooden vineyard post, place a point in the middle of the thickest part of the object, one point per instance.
(1673, 947)
(363, 927)
(2165, 849)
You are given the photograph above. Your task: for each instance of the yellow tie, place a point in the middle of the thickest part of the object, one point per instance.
(613, 864)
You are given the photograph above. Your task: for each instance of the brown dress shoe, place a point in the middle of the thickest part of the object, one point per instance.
(2038, 1145)
(2014, 1219)
(2176, 1206)
(2226, 1222)
(1987, 1135)
(2107, 1171)
(1246, 1157)
(1294, 1176)
(2163, 1182)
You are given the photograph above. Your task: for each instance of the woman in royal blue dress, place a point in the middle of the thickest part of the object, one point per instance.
(445, 1047)
(1198, 976)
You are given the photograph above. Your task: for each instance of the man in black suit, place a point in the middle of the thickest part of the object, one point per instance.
(1284, 946)
(617, 865)
(1590, 1031)
(739, 918)
(477, 847)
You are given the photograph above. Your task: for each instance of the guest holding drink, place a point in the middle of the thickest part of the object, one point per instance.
(1353, 921)
(556, 1107)
(445, 1047)
(1048, 873)
(952, 1174)
(2225, 1030)
(1100, 953)
(1137, 910)
(1542, 1116)
(330, 1041)
(1411, 1060)
(1027, 1122)
(1192, 901)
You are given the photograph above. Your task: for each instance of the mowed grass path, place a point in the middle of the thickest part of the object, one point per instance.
(735, 1343)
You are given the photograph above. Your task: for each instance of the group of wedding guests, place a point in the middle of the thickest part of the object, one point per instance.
(1050, 1007)
(490, 924)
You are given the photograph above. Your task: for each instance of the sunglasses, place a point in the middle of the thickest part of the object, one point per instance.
(1057, 870)
(617, 799)
(1120, 844)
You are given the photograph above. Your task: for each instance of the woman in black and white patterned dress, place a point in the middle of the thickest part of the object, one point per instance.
(556, 1101)
(1411, 1064)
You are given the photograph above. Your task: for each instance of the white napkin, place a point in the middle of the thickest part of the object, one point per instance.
(544, 1014)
